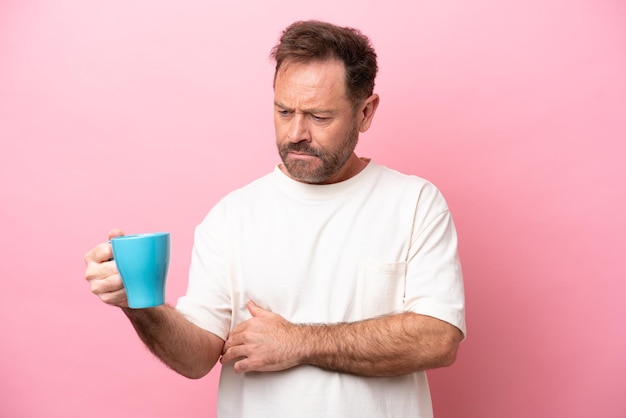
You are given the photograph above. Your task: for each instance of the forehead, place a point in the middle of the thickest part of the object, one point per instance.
(311, 84)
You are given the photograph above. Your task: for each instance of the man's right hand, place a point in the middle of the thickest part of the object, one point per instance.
(102, 275)
(182, 345)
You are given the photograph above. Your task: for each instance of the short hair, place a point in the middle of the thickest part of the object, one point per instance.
(313, 40)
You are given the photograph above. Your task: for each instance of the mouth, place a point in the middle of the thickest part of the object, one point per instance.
(301, 155)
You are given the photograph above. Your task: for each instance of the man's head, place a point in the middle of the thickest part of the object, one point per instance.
(323, 98)
(309, 41)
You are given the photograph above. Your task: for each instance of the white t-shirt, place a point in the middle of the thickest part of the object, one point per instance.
(378, 243)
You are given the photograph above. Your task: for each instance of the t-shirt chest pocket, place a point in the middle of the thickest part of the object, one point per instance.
(380, 288)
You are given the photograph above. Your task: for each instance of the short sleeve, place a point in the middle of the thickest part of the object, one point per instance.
(207, 302)
(434, 281)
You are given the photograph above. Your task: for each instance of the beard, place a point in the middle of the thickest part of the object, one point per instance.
(331, 161)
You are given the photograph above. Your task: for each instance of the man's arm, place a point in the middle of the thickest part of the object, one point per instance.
(180, 344)
(386, 346)
(186, 348)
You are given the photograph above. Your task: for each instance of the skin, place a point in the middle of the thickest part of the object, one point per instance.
(316, 131)
(316, 125)
(387, 346)
(181, 345)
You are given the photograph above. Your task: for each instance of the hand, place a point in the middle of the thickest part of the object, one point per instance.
(266, 342)
(102, 274)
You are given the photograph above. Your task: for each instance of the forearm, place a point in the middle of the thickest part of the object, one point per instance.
(181, 345)
(386, 346)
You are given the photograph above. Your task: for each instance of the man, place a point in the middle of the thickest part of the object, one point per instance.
(327, 287)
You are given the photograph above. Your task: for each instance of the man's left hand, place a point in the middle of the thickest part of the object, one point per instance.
(266, 342)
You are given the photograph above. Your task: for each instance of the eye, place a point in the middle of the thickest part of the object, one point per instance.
(319, 118)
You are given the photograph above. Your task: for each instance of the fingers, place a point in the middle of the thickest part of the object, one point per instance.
(102, 274)
(110, 290)
(234, 354)
(99, 253)
(243, 365)
(105, 282)
(238, 353)
(103, 252)
(117, 298)
(254, 309)
(115, 232)
(99, 264)
(236, 336)
(262, 343)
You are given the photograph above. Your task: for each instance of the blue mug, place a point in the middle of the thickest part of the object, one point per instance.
(142, 261)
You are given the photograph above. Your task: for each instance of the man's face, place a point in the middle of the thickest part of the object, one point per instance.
(316, 126)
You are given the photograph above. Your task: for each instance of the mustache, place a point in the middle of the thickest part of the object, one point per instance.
(301, 147)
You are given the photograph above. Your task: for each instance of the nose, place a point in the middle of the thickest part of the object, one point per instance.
(298, 129)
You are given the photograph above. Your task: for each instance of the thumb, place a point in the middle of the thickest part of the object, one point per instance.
(115, 232)
(255, 310)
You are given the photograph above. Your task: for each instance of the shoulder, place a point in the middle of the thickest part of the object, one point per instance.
(418, 187)
(241, 199)
(255, 188)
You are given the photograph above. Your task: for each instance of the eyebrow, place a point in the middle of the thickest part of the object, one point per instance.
(316, 111)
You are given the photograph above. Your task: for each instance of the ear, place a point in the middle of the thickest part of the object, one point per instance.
(367, 111)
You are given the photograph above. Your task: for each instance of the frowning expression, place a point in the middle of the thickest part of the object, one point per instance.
(317, 127)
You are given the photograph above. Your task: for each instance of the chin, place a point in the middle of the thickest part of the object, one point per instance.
(306, 176)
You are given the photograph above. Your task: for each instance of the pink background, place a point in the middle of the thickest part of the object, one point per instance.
(141, 114)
